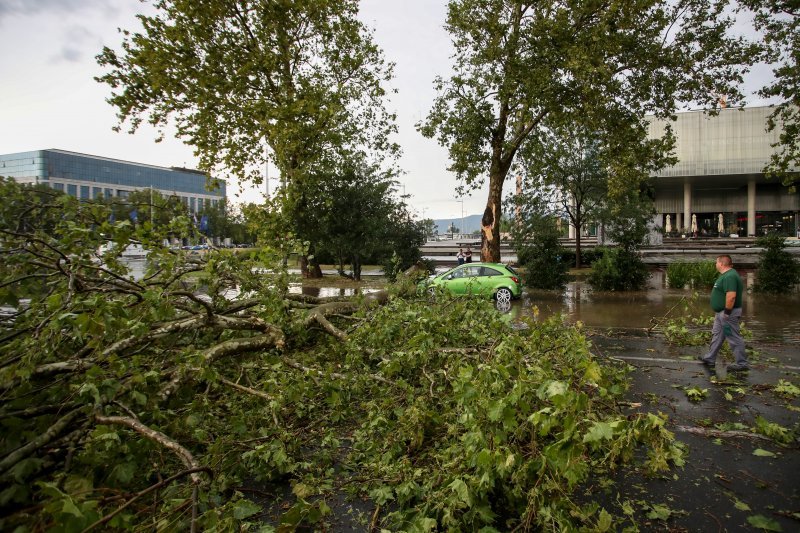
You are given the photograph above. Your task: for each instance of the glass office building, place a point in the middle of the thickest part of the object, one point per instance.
(88, 176)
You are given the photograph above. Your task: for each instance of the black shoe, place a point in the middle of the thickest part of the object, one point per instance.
(736, 367)
(706, 361)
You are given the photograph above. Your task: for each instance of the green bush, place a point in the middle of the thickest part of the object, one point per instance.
(777, 270)
(619, 270)
(704, 274)
(678, 274)
(694, 273)
(545, 263)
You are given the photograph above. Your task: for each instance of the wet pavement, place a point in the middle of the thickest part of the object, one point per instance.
(725, 481)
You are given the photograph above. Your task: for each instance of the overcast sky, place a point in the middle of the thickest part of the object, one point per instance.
(49, 99)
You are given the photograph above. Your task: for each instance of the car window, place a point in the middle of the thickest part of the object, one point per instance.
(457, 273)
(472, 271)
(486, 271)
(512, 270)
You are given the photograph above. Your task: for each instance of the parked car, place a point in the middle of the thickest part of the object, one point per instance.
(499, 281)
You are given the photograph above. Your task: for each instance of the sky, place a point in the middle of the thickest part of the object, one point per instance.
(49, 99)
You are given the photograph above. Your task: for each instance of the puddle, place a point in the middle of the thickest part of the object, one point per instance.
(767, 316)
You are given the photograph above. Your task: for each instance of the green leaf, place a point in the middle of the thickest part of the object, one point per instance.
(659, 512)
(495, 411)
(68, 506)
(763, 453)
(741, 505)
(460, 488)
(604, 521)
(762, 522)
(599, 431)
(244, 509)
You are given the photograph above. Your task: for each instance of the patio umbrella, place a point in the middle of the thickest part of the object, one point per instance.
(694, 223)
(720, 224)
(668, 226)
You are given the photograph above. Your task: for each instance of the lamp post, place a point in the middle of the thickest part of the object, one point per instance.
(462, 214)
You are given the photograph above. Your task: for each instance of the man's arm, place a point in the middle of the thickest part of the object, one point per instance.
(730, 301)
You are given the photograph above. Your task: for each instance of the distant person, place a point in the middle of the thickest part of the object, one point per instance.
(726, 301)
(460, 256)
(468, 255)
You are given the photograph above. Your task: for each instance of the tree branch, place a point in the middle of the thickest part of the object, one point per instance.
(45, 438)
(183, 454)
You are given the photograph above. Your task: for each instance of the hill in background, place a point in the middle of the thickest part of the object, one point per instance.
(472, 223)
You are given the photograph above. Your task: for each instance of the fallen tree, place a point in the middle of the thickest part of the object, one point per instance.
(157, 398)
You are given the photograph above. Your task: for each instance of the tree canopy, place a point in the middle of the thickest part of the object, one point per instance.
(302, 76)
(779, 21)
(601, 64)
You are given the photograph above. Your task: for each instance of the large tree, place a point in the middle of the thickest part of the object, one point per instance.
(351, 212)
(302, 76)
(602, 63)
(573, 179)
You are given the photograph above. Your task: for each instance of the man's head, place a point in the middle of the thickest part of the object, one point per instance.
(724, 262)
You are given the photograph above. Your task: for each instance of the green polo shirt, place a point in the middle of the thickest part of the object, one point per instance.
(729, 281)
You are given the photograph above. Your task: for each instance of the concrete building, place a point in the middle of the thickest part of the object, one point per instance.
(88, 176)
(720, 172)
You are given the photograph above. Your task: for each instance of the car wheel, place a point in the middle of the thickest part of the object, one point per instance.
(503, 295)
(431, 292)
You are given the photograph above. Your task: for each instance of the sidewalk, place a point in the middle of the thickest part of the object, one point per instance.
(723, 483)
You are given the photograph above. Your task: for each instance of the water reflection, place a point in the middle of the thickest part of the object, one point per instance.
(328, 292)
(767, 316)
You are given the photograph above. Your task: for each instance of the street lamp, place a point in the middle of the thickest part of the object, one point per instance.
(462, 214)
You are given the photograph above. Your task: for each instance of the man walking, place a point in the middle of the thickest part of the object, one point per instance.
(726, 301)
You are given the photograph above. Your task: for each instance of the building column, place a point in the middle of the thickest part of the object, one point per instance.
(687, 206)
(751, 207)
(572, 231)
(678, 222)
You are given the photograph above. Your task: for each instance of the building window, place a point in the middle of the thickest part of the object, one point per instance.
(123, 193)
(72, 190)
(109, 193)
(58, 186)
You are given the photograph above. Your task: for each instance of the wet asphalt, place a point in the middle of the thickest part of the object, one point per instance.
(723, 486)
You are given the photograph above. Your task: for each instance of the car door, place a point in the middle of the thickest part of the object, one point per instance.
(472, 281)
(456, 281)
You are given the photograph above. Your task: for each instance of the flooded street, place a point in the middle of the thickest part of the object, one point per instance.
(775, 317)
(767, 316)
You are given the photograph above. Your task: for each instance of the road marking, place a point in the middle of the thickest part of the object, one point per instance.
(662, 360)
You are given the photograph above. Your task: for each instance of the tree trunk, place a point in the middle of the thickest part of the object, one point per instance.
(309, 268)
(578, 247)
(490, 223)
(356, 267)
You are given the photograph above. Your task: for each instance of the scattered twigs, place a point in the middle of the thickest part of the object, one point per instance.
(242, 388)
(708, 432)
(657, 322)
(148, 490)
(315, 372)
(373, 524)
(39, 410)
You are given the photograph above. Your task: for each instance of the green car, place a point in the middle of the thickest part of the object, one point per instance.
(484, 279)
